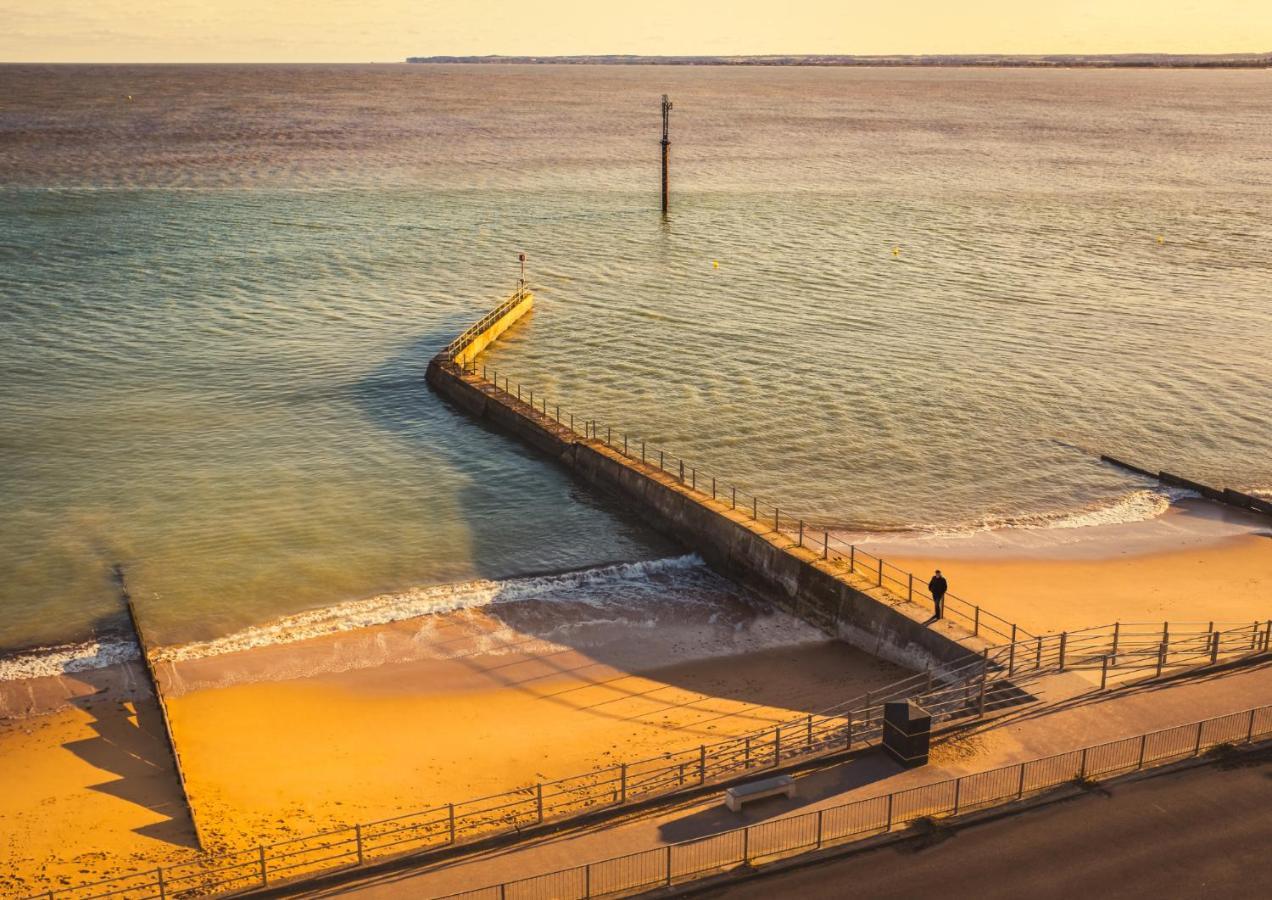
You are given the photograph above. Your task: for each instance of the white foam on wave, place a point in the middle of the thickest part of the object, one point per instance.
(67, 658)
(596, 588)
(1136, 506)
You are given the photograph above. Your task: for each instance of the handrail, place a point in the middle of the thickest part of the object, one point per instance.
(977, 685)
(656, 868)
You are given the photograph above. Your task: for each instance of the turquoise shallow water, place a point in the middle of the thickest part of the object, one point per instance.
(935, 290)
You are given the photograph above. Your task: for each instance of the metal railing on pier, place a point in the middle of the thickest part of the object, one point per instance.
(978, 620)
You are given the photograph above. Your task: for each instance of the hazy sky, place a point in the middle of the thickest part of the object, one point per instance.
(388, 30)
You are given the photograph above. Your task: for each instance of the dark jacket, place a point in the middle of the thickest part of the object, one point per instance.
(937, 586)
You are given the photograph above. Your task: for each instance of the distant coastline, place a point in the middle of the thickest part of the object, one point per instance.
(1053, 61)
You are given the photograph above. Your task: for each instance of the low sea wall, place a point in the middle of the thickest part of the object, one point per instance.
(795, 578)
(1226, 495)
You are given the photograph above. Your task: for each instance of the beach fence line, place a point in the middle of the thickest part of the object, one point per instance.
(790, 836)
(995, 680)
(804, 534)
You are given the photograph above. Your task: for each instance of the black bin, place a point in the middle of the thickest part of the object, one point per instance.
(907, 732)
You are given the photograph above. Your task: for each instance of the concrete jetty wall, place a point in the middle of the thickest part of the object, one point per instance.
(794, 578)
(1226, 495)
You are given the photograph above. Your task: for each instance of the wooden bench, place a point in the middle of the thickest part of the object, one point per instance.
(734, 797)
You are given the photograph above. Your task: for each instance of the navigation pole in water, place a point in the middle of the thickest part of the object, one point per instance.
(666, 148)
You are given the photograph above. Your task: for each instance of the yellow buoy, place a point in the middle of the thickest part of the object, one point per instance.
(896, 251)
(715, 263)
(1161, 239)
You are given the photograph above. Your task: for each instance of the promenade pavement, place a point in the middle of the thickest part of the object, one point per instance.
(1032, 733)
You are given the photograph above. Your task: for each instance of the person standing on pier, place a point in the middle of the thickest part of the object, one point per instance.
(937, 587)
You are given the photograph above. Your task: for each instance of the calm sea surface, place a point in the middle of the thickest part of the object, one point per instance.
(884, 298)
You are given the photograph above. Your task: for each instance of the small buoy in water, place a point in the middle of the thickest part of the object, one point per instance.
(130, 100)
(1161, 239)
(896, 251)
(715, 263)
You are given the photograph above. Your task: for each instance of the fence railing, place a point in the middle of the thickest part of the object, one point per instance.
(969, 688)
(457, 346)
(688, 861)
(1000, 678)
(978, 620)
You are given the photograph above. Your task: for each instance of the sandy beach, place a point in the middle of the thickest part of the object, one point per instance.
(289, 738)
(1199, 562)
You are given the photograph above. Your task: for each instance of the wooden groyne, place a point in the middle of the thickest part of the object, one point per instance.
(1240, 500)
(153, 677)
(805, 581)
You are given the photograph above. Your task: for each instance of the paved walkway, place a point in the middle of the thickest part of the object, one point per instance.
(1030, 734)
(1201, 832)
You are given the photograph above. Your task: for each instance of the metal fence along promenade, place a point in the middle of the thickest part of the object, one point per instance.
(1001, 678)
(1005, 675)
(689, 861)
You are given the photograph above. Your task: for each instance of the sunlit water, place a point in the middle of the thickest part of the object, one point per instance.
(883, 298)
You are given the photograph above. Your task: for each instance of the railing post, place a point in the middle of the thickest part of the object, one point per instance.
(746, 753)
(538, 798)
(777, 744)
(1117, 634)
(1161, 658)
(819, 829)
(1038, 655)
(662, 458)
(825, 545)
(1011, 652)
(450, 818)
(980, 704)
(881, 571)
(1104, 672)
(746, 846)
(1197, 748)
(1214, 648)
(1082, 765)
(163, 893)
(777, 519)
(669, 859)
(958, 790)
(890, 812)
(622, 783)
(587, 882)
(1064, 639)
(809, 742)
(264, 873)
(609, 435)
(852, 557)
(910, 595)
(713, 487)
(1254, 636)
(624, 445)
(1143, 748)
(1250, 728)
(755, 507)
(976, 621)
(801, 532)
(1020, 791)
(693, 478)
(682, 471)
(357, 837)
(702, 764)
(558, 413)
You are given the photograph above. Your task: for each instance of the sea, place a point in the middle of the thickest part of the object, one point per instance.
(893, 300)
